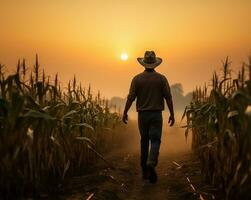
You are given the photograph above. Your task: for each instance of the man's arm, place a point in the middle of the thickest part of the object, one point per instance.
(131, 97)
(169, 103)
(127, 107)
(168, 97)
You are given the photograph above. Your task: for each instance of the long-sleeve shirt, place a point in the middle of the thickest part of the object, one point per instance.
(150, 88)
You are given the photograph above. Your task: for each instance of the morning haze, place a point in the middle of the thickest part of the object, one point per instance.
(86, 38)
(62, 139)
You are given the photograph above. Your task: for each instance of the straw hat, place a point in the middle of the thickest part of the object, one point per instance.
(150, 61)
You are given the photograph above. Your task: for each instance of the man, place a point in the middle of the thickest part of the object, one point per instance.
(150, 88)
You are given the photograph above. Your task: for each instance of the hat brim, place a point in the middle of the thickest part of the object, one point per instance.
(152, 65)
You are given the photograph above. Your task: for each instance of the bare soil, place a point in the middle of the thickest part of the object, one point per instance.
(178, 171)
(178, 178)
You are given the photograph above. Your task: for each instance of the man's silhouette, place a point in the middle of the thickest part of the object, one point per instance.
(150, 88)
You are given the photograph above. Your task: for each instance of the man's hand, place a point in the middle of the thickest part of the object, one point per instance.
(171, 120)
(125, 118)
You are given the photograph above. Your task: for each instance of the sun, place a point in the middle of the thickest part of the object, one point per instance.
(124, 56)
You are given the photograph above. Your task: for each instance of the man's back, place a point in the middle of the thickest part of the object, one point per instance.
(150, 88)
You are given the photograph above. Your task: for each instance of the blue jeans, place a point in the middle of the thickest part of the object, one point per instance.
(150, 127)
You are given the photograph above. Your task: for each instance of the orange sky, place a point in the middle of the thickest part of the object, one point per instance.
(86, 38)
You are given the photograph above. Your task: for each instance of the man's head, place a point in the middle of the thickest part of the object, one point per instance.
(150, 61)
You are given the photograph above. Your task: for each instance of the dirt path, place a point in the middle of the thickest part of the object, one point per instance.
(175, 169)
(125, 181)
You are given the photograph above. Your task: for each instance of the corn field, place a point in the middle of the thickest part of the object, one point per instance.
(220, 119)
(48, 133)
